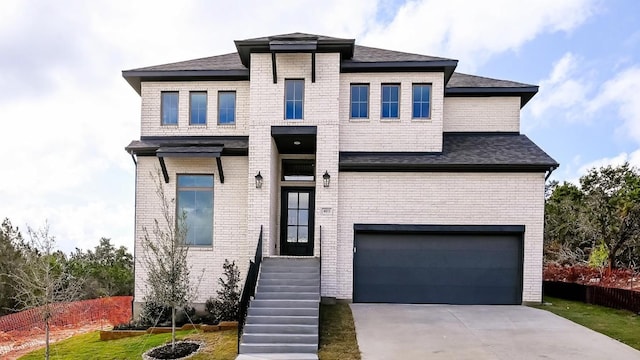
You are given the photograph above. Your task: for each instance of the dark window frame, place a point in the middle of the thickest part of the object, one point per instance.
(206, 102)
(196, 188)
(294, 100)
(413, 101)
(382, 101)
(163, 110)
(351, 101)
(235, 107)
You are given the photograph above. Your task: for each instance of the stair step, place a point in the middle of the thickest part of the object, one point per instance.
(256, 338)
(288, 288)
(281, 295)
(283, 311)
(292, 260)
(290, 275)
(262, 281)
(277, 348)
(285, 303)
(280, 329)
(291, 269)
(285, 319)
(290, 356)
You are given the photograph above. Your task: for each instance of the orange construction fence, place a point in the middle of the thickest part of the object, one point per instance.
(111, 310)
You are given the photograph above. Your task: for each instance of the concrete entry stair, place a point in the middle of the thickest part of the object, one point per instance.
(282, 320)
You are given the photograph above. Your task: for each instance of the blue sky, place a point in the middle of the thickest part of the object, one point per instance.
(66, 113)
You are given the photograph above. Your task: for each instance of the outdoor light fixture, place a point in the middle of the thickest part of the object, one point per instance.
(258, 181)
(326, 178)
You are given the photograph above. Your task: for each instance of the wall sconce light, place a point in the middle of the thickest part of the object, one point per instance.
(326, 179)
(258, 181)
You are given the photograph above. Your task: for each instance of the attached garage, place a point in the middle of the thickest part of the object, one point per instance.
(433, 264)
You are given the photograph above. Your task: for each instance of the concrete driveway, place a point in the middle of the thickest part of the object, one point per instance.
(392, 331)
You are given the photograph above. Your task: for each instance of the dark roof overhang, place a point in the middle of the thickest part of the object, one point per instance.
(136, 77)
(189, 147)
(295, 139)
(294, 43)
(525, 93)
(445, 66)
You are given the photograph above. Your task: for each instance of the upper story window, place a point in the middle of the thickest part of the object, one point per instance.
(195, 201)
(421, 101)
(226, 107)
(390, 101)
(198, 107)
(359, 101)
(294, 99)
(169, 108)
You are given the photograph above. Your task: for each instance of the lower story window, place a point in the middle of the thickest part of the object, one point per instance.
(195, 202)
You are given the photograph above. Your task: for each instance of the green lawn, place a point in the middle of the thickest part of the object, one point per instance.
(220, 346)
(621, 325)
(337, 341)
(337, 333)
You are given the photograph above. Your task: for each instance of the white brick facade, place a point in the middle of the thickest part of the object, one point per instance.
(420, 198)
(442, 199)
(482, 114)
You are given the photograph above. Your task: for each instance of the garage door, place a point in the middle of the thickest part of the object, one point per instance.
(438, 265)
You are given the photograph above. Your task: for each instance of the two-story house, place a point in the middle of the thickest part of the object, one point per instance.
(410, 183)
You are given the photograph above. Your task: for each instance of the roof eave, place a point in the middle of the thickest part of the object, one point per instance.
(525, 93)
(136, 77)
(397, 167)
(446, 66)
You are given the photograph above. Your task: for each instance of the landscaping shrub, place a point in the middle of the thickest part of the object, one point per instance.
(154, 313)
(225, 306)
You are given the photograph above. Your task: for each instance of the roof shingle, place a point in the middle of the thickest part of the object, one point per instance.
(490, 151)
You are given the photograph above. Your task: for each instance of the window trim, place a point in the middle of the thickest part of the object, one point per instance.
(286, 81)
(162, 111)
(206, 106)
(213, 206)
(413, 117)
(390, 118)
(235, 106)
(351, 101)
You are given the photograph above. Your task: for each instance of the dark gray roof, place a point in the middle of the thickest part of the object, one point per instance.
(219, 62)
(231, 145)
(371, 54)
(296, 36)
(460, 152)
(471, 85)
(460, 80)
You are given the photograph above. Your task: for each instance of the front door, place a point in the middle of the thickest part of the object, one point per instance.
(296, 226)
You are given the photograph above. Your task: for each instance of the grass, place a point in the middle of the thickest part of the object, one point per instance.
(621, 325)
(220, 346)
(337, 333)
(337, 342)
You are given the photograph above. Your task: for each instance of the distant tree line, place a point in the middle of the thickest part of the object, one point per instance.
(103, 271)
(596, 222)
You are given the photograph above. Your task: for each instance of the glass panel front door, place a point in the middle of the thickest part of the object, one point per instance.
(297, 221)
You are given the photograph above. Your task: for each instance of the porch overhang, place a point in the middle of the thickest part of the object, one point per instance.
(189, 147)
(295, 139)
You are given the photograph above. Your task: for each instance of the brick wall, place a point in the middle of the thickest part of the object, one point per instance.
(151, 108)
(441, 199)
(499, 113)
(403, 134)
(229, 217)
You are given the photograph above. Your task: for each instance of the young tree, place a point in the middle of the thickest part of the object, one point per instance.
(44, 279)
(225, 307)
(165, 258)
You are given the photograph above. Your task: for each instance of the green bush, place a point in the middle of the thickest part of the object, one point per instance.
(225, 306)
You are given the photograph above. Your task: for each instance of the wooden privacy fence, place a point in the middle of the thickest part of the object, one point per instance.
(593, 294)
(111, 310)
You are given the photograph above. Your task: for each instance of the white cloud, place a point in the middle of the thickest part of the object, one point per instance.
(623, 92)
(473, 31)
(575, 170)
(564, 90)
